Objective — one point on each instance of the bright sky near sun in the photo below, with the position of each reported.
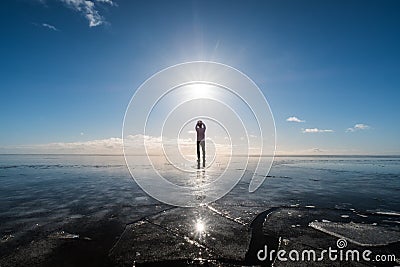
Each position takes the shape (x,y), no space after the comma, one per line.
(329,69)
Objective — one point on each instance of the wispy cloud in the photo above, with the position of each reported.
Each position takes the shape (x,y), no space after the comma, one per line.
(316,130)
(51,27)
(357,127)
(110,2)
(89,10)
(294,119)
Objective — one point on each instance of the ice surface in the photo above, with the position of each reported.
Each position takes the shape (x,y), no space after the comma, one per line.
(95,197)
(359,233)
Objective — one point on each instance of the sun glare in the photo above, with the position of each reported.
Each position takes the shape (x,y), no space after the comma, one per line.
(200,227)
(199,90)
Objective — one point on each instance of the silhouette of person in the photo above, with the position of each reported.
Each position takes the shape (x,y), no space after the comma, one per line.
(201,141)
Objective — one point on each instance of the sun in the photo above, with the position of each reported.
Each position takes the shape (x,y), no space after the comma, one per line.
(201,90)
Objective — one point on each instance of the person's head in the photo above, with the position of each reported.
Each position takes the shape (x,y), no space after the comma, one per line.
(199,122)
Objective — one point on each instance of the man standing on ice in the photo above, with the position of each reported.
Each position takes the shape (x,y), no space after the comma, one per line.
(201,141)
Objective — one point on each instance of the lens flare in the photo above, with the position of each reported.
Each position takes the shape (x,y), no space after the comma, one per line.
(160,142)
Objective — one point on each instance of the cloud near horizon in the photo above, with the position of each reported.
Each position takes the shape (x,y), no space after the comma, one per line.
(316,130)
(113,145)
(294,119)
(357,127)
(101,146)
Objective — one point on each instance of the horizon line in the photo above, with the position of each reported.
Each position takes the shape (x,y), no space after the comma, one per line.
(253,155)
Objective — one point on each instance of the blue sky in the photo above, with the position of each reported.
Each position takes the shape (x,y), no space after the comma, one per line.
(69,68)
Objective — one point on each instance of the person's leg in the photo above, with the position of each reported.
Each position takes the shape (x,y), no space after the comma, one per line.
(198,151)
(203,148)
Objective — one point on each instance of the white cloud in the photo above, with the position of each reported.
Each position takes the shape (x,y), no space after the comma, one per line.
(358,126)
(88,10)
(294,119)
(110,2)
(51,27)
(361,126)
(316,130)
